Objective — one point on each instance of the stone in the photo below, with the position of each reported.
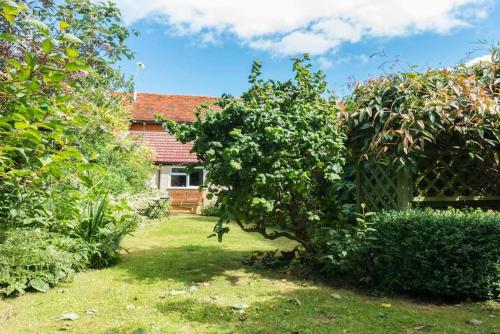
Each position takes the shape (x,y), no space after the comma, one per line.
(474,322)
(177,292)
(91,311)
(69,316)
(239,306)
(336,296)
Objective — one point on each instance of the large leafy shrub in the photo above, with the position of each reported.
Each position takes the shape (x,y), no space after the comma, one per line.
(451,254)
(58,147)
(343,251)
(398,117)
(274,156)
(61,145)
(33,259)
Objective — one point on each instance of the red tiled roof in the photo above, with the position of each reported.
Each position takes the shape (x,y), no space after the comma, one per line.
(179,108)
(166,147)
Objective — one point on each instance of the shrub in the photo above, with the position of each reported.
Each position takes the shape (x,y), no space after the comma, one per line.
(36,260)
(274,156)
(103,228)
(450,254)
(342,252)
(211,210)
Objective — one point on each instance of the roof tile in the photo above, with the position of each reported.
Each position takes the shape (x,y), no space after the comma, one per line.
(166,147)
(179,108)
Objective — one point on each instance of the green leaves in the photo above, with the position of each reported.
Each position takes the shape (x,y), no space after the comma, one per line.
(47,45)
(8,37)
(76,66)
(39,284)
(441,253)
(273,155)
(38,25)
(10,9)
(52,118)
(72,53)
(397,117)
(235,165)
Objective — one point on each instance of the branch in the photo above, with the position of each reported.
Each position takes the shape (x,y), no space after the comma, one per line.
(272,236)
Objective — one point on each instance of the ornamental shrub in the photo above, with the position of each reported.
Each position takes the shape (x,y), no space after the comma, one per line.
(397,117)
(103,227)
(273,157)
(449,254)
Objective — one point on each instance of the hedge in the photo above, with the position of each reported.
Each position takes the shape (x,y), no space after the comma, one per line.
(448,254)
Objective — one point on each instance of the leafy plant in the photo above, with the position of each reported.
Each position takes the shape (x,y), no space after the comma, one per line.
(343,252)
(57,146)
(449,254)
(36,260)
(273,156)
(398,117)
(211,210)
(103,229)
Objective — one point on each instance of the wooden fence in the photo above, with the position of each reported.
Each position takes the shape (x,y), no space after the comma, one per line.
(439,180)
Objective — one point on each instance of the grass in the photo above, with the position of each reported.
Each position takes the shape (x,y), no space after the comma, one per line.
(177,254)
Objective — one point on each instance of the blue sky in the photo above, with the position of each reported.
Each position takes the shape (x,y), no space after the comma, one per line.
(191,47)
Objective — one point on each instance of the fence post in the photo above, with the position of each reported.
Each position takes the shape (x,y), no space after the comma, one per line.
(404,188)
(358,187)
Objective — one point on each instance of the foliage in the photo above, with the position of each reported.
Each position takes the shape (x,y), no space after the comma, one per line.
(211,210)
(36,260)
(59,147)
(273,156)
(343,252)
(141,203)
(450,254)
(399,116)
(103,228)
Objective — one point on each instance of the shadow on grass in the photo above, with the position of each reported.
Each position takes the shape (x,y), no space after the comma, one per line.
(188,264)
(313,310)
(278,315)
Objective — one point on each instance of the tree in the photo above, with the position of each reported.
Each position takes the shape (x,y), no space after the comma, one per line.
(274,156)
(57,145)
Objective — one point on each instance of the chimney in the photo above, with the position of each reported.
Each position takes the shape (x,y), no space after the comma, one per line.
(140,66)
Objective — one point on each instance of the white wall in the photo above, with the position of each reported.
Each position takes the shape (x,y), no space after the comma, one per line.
(164,178)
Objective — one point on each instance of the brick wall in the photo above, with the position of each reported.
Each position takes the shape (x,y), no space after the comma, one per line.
(145,127)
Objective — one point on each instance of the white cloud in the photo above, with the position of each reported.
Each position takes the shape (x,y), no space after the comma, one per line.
(478,60)
(364,59)
(315,26)
(297,42)
(324,63)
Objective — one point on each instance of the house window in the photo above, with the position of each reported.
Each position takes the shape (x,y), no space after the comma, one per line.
(179,178)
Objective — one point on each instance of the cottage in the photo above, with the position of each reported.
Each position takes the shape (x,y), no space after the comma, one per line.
(170,156)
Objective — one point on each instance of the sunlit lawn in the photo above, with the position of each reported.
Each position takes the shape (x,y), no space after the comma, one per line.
(177,255)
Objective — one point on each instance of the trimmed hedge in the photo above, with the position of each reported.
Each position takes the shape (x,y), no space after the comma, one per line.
(450,254)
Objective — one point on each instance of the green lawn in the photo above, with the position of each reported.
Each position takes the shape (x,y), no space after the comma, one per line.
(177,255)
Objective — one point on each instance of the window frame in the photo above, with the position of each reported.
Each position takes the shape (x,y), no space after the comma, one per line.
(172,173)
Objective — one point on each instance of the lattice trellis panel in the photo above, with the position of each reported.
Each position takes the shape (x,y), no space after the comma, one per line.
(377,186)
(448,177)
(442,179)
